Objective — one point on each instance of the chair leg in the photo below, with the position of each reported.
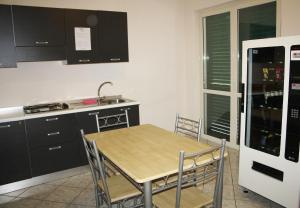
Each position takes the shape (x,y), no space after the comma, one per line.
(97,198)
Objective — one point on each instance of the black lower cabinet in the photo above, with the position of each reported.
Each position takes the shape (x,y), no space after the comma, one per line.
(53,158)
(45,145)
(14,155)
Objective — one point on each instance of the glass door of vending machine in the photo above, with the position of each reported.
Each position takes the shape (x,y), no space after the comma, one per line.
(265,78)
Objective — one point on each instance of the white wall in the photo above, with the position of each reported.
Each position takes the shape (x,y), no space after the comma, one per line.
(156,53)
(290,17)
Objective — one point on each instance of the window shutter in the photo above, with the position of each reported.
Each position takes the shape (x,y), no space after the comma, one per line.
(217,35)
(218,116)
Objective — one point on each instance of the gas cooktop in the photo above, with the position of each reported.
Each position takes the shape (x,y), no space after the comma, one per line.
(44,108)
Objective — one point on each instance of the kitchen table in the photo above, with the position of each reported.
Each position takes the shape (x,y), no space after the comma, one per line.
(145,153)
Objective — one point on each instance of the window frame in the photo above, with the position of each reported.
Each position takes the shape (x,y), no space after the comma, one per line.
(233,9)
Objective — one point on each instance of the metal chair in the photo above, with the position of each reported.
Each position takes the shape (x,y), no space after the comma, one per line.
(105,122)
(120,119)
(188,127)
(113,190)
(186,194)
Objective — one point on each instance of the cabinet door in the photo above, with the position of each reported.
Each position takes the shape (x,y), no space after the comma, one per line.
(7,51)
(39,33)
(38,26)
(82,33)
(51,158)
(87,120)
(113,37)
(14,157)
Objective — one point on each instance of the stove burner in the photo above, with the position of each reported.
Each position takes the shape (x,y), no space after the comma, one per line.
(45,107)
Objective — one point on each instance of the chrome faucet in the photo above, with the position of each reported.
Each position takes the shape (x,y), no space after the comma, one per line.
(99,89)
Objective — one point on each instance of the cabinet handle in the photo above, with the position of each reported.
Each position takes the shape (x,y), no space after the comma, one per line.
(53,133)
(93,114)
(84,60)
(41,42)
(115,59)
(123,109)
(51,119)
(54,148)
(5,126)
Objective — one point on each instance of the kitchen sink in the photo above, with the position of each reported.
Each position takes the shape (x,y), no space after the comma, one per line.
(92,102)
(109,101)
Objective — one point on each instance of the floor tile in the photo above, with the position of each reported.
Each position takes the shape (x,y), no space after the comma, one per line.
(38,192)
(79,181)
(86,197)
(23,203)
(49,204)
(228,203)
(58,182)
(82,206)
(235,176)
(248,196)
(251,204)
(64,194)
(227,179)
(4,199)
(228,192)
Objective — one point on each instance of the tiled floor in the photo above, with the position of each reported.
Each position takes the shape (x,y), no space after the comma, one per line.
(77,192)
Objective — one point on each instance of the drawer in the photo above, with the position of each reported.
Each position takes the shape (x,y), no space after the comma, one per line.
(52,137)
(48,159)
(52,130)
(40,125)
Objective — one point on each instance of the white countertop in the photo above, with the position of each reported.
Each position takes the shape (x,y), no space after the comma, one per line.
(17,113)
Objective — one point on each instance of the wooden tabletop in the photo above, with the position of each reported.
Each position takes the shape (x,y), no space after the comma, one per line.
(144,152)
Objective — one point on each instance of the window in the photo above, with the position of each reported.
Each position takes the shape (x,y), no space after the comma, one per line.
(217,71)
(218,116)
(217,33)
(224,29)
(255,23)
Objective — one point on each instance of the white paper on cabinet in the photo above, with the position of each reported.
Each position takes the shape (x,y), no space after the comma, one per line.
(82,38)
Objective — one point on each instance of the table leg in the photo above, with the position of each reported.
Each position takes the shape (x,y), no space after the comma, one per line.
(148,194)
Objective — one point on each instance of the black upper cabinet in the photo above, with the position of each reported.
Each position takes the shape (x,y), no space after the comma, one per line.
(7,49)
(14,155)
(39,33)
(38,26)
(82,36)
(113,37)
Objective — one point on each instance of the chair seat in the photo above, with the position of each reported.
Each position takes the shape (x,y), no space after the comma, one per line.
(120,188)
(191,197)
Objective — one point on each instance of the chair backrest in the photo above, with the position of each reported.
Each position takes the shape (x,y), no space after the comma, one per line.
(97,167)
(188,127)
(211,167)
(120,119)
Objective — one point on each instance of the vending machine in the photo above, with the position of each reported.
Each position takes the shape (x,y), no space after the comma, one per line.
(270,119)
